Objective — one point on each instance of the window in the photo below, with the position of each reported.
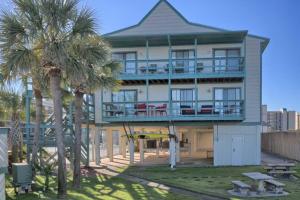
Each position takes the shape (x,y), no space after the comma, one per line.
(125,101)
(124,96)
(183,64)
(182,99)
(128,59)
(227,100)
(227,59)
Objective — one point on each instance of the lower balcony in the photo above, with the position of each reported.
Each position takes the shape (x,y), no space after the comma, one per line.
(202,110)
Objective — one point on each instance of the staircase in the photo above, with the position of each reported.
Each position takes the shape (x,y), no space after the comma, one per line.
(48,137)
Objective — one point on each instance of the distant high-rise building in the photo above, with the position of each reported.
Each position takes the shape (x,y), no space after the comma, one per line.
(282,120)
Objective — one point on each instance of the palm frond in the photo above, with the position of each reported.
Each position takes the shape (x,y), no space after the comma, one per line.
(84,23)
(12,31)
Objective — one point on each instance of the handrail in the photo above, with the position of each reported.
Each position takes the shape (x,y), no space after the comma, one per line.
(176,108)
(183,66)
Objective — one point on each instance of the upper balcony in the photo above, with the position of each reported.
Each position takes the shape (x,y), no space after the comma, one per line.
(213,55)
(220,67)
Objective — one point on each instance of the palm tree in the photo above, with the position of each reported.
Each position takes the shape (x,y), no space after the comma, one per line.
(91,55)
(49,28)
(11,101)
(24,63)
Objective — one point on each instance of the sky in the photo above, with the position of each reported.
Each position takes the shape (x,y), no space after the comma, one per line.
(278,20)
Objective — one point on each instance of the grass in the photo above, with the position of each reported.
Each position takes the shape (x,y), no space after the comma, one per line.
(96,188)
(209,180)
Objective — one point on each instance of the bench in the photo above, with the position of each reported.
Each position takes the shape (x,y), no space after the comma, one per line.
(274,168)
(282,172)
(274,186)
(241,187)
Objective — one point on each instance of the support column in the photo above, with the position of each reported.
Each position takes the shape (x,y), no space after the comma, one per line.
(93,144)
(157,148)
(131,150)
(172,147)
(141,147)
(109,145)
(97,146)
(120,142)
(178,136)
(124,148)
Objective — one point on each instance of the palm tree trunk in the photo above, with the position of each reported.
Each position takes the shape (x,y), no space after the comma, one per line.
(55,78)
(14,139)
(78,122)
(38,119)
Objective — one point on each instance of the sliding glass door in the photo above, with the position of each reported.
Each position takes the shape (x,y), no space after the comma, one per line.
(184,62)
(182,99)
(226,60)
(227,100)
(125,101)
(128,59)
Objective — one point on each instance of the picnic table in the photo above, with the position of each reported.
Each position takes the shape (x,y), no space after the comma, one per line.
(260,178)
(280,168)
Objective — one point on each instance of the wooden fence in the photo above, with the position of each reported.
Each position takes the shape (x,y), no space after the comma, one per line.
(286,144)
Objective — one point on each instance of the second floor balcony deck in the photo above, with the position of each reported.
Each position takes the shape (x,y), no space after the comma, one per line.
(220,67)
(202,110)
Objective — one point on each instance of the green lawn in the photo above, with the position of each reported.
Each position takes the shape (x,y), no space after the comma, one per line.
(98,187)
(209,180)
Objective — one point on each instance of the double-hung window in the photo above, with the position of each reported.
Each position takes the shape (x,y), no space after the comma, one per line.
(227,60)
(227,100)
(128,60)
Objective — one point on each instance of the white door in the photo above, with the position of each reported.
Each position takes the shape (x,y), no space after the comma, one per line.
(237,149)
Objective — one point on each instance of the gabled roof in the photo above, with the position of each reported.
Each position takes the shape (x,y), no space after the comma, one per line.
(163,18)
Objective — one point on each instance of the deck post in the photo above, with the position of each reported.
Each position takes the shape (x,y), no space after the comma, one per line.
(97,145)
(157,148)
(131,150)
(172,147)
(141,147)
(109,145)
(123,145)
(177,146)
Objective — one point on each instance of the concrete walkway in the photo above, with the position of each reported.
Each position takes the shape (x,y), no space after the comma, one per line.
(113,171)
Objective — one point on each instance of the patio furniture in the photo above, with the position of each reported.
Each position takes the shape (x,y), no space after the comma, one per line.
(178,69)
(200,67)
(143,70)
(274,186)
(187,110)
(260,178)
(241,187)
(206,109)
(151,110)
(140,108)
(162,109)
(283,169)
(152,69)
(113,110)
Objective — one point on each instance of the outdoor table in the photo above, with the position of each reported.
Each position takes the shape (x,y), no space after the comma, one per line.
(287,166)
(151,109)
(257,176)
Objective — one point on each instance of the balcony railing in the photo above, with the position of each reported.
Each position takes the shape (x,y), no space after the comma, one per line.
(160,110)
(183,66)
